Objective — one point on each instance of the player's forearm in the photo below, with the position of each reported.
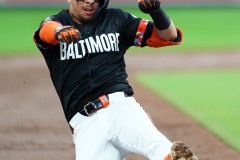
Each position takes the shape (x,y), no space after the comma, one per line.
(169,33)
(53,32)
(47,32)
(164,26)
(162,22)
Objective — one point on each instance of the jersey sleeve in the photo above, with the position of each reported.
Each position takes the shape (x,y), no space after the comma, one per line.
(36,37)
(141,32)
(155,41)
(146,35)
(129,25)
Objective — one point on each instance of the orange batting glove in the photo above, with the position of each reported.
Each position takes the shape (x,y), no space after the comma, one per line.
(67,34)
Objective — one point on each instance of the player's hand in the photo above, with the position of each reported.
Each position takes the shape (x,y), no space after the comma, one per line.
(149,6)
(67,34)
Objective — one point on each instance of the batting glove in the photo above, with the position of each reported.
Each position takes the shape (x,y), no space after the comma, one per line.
(149,6)
(67,34)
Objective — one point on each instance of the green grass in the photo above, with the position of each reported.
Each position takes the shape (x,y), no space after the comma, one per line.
(204,28)
(17,28)
(210,97)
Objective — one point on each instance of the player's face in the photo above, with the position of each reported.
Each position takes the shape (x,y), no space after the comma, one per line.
(84,10)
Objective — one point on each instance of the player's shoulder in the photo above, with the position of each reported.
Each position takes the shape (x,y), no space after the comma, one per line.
(61,17)
(55,17)
(115,11)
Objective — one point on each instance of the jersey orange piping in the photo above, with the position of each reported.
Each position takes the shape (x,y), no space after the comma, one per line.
(140,32)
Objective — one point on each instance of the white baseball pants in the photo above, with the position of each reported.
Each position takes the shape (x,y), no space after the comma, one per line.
(114,132)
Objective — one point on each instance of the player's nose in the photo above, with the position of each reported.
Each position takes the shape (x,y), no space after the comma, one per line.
(89,1)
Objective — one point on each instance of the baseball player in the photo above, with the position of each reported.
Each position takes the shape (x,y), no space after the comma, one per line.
(84,49)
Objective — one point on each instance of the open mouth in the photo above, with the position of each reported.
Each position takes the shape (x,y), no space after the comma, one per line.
(88,10)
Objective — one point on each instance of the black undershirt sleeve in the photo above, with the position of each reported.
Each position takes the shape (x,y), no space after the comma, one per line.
(147,34)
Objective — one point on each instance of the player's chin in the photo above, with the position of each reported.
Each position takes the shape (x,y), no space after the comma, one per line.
(87,19)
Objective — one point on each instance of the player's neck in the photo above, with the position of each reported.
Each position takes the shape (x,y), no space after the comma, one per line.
(75,19)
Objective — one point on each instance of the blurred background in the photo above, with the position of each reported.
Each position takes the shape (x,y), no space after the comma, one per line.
(200,77)
(207,24)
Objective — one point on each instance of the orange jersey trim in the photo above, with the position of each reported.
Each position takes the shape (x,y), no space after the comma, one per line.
(47,32)
(156,41)
(140,32)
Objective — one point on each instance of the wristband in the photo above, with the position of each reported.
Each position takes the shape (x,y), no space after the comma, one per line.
(161,19)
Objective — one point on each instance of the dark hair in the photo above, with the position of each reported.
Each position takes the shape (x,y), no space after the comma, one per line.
(101,2)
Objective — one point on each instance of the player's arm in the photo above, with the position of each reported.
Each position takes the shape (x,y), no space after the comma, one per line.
(53,32)
(163,25)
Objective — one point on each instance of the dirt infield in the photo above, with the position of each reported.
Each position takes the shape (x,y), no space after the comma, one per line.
(32,125)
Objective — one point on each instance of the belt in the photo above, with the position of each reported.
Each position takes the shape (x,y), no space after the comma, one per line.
(101,102)
(90,108)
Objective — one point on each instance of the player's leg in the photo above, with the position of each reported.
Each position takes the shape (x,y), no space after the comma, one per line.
(91,138)
(135,132)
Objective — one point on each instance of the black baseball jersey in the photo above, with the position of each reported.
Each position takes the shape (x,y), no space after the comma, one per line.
(94,65)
